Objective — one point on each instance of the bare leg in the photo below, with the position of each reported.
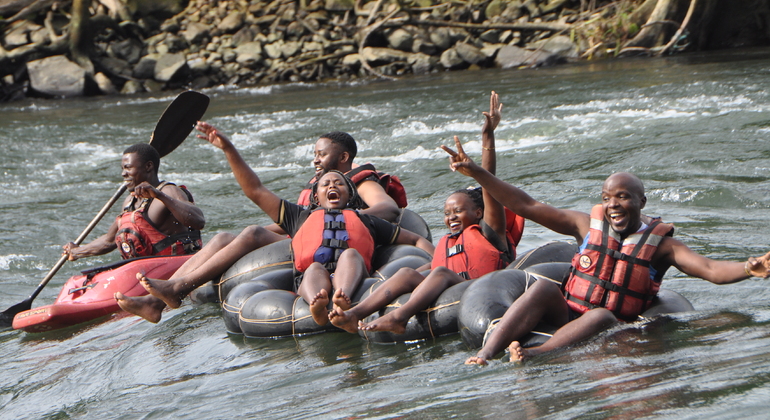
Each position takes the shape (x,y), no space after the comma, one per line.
(219,241)
(437,281)
(315,288)
(542,301)
(174,290)
(147,307)
(404,281)
(350,271)
(588,325)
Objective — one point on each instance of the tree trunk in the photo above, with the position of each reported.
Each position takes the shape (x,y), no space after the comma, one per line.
(657,26)
(80,38)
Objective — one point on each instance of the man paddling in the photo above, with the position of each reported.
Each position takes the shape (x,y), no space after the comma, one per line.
(616,273)
(159,218)
(333,151)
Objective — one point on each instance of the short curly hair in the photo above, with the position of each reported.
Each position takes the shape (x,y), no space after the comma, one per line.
(344,140)
(354,201)
(145,152)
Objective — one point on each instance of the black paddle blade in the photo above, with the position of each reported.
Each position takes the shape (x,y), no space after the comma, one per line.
(178,120)
(6,317)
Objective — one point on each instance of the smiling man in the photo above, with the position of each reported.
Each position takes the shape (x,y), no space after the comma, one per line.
(158,218)
(615,274)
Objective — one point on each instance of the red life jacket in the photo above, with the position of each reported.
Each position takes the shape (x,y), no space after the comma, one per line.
(390,183)
(468,253)
(514,227)
(615,275)
(138,237)
(325,234)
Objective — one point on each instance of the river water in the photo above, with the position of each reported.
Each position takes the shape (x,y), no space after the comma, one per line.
(693,128)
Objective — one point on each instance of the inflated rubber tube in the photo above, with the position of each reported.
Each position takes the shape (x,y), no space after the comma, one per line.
(438,320)
(413,222)
(280,313)
(484,304)
(269,314)
(487,299)
(556,251)
(270,257)
(231,307)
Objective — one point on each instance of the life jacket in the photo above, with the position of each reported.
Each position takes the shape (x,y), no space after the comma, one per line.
(514,227)
(390,183)
(325,234)
(138,237)
(612,274)
(468,253)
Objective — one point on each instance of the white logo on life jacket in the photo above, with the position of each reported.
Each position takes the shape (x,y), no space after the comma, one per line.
(585,261)
(126,247)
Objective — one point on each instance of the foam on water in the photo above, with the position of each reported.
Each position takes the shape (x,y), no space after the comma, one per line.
(7,260)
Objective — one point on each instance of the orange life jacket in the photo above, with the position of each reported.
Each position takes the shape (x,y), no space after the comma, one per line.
(390,183)
(468,253)
(612,274)
(325,234)
(138,237)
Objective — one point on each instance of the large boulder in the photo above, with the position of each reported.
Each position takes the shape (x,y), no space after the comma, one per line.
(170,66)
(56,76)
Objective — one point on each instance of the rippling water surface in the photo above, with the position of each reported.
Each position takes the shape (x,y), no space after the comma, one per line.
(693,128)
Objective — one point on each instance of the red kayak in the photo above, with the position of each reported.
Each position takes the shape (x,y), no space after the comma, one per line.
(89,295)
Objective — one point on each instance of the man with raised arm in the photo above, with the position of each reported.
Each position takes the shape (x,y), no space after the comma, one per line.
(158,218)
(615,274)
(333,151)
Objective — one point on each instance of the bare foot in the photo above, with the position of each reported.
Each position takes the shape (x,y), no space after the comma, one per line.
(318,307)
(475,360)
(341,299)
(519,353)
(385,323)
(161,289)
(147,307)
(343,319)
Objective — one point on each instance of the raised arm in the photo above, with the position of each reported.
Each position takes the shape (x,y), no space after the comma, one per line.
(248,180)
(672,252)
(566,222)
(494,213)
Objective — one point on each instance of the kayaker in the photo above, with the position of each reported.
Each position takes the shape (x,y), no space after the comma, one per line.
(335,150)
(332,244)
(476,245)
(616,273)
(158,218)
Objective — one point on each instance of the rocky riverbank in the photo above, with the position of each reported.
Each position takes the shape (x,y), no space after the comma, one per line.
(173,44)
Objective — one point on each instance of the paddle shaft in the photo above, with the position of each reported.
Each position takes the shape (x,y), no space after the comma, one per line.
(79,240)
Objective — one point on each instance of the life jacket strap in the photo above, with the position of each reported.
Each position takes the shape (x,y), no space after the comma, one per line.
(454,250)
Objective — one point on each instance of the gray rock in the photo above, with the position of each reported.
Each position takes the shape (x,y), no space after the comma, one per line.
(105,84)
(129,50)
(274,50)
(231,23)
(131,87)
(196,33)
(115,66)
(145,68)
(451,59)
(56,76)
(249,53)
(175,43)
(40,36)
(19,34)
(442,38)
(198,66)
(424,46)
(560,45)
(510,56)
(170,66)
(244,35)
(492,36)
(400,40)
(290,48)
(469,53)
(422,63)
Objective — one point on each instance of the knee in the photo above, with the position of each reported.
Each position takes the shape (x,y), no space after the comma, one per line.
(602,316)
(221,239)
(253,231)
(350,254)
(441,271)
